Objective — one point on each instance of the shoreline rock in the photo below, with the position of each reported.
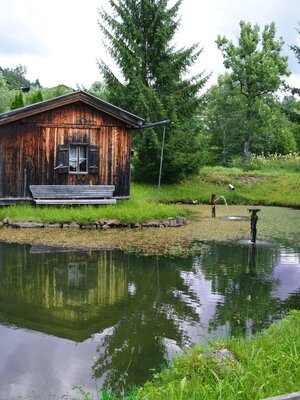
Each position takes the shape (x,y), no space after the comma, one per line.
(103,224)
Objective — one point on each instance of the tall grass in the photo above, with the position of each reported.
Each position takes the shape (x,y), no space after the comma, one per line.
(255,187)
(132,211)
(268,365)
(105,394)
(288,162)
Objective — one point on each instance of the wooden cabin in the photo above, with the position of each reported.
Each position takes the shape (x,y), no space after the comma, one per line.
(73,149)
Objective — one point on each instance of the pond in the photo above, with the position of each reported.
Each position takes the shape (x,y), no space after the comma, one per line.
(97,318)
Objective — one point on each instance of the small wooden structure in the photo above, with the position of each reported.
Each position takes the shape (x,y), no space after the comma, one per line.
(48,148)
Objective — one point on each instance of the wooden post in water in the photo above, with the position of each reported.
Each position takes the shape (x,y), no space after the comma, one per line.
(253,222)
(213,205)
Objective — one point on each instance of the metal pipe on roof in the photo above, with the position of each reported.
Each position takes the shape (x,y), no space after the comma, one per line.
(165,122)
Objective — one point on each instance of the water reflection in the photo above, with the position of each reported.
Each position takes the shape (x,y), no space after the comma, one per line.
(107,318)
(153,313)
(244,278)
(61,294)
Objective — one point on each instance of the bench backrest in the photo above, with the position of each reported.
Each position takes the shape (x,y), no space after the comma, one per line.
(71,191)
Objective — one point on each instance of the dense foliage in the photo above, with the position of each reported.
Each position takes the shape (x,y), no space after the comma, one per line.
(226,124)
(296,50)
(17,91)
(238,118)
(15,77)
(17,101)
(153,83)
(257,69)
(6,95)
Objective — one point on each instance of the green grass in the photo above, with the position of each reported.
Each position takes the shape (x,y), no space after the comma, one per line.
(132,211)
(278,188)
(267,364)
(105,394)
(256,187)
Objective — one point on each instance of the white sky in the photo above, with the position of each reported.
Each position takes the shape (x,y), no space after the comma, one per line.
(59,40)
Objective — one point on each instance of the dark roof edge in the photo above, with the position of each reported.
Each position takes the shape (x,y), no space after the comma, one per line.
(70,98)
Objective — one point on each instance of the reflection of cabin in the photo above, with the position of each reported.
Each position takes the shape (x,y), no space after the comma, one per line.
(50,149)
(70,295)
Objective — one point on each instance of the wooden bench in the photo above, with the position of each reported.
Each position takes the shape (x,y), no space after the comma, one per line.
(73,194)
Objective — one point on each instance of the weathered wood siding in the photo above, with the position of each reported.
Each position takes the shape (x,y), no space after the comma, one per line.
(29,150)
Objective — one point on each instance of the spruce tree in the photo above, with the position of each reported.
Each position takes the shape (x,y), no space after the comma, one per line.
(153,83)
(17,101)
(34,96)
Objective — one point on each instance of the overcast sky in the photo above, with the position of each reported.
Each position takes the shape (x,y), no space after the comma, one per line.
(59,40)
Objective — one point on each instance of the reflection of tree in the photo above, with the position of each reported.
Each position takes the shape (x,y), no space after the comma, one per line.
(155,312)
(243,276)
(77,294)
(135,302)
(292,302)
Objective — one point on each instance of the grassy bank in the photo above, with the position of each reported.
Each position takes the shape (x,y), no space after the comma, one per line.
(265,365)
(132,211)
(272,188)
(262,188)
(280,188)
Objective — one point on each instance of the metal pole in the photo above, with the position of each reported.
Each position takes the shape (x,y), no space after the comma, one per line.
(161,161)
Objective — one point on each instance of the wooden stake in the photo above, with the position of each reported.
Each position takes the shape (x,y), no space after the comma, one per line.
(213,205)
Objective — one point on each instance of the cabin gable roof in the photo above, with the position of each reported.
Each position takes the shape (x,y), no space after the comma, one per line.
(133,121)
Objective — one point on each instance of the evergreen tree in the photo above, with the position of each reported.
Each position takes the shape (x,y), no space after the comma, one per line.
(34,96)
(296,49)
(17,101)
(153,83)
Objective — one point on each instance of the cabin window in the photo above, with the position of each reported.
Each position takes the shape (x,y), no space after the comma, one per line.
(78,159)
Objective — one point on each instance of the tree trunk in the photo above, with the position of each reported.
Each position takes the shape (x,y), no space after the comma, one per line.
(247,147)
(248,136)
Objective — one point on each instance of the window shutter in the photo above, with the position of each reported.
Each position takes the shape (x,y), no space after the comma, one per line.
(63,159)
(93,159)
